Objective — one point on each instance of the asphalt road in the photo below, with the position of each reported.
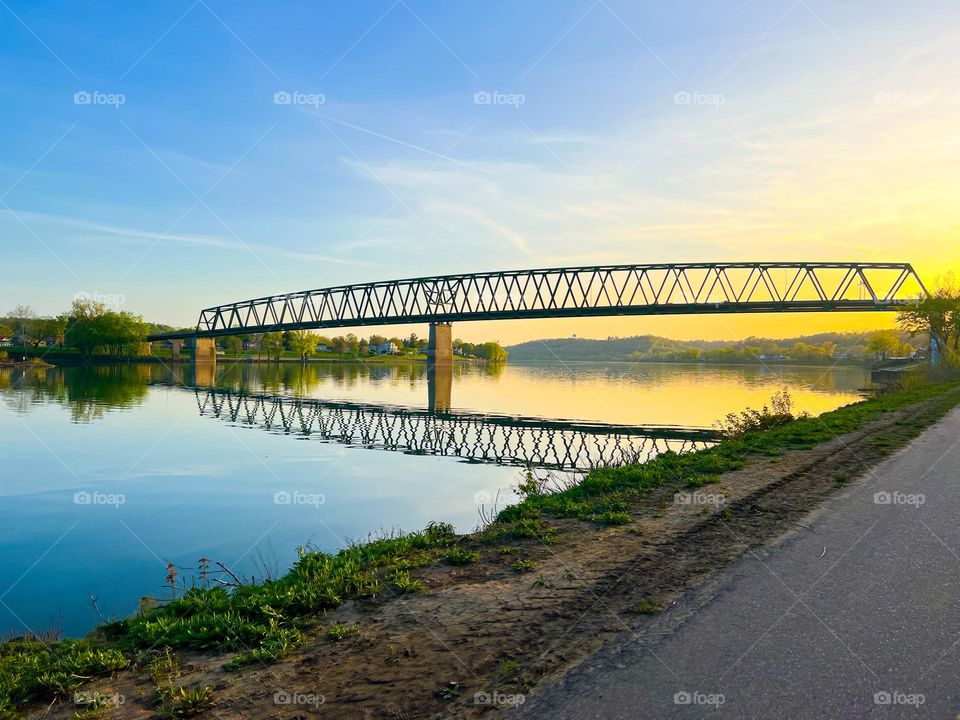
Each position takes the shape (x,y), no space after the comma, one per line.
(856,617)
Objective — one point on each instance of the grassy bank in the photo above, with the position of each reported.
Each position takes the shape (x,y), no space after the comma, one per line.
(261,623)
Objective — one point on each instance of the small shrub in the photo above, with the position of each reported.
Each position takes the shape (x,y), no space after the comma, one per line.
(403,582)
(459,556)
(645,607)
(524,565)
(337,632)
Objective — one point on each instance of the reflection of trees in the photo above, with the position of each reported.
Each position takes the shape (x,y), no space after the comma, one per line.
(302,378)
(88,391)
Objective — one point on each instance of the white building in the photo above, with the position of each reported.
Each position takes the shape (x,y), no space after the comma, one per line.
(386,348)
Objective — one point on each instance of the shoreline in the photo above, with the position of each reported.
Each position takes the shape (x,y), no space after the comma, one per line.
(548,558)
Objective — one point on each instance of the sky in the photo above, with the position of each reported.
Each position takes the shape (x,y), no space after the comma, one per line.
(180,155)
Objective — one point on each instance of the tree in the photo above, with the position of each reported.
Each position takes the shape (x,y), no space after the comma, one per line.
(93,328)
(377,340)
(23,321)
(233,343)
(937,315)
(353,344)
(883,343)
(491,352)
(339,345)
(272,344)
(303,342)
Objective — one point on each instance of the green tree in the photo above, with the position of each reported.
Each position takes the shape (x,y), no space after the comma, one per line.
(491,352)
(353,344)
(272,344)
(303,342)
(937,316)
(93,328)
(883,343)
(233,343)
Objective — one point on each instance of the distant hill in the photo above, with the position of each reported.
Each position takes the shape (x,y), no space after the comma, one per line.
(850,345)
(586,349)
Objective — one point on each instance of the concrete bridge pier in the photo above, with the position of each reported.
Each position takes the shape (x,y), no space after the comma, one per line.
(175,347)
(440,367)
(204,363)
(440,347)
(204,350)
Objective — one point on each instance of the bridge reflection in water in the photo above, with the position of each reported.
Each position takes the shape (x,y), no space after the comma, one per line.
(473,437)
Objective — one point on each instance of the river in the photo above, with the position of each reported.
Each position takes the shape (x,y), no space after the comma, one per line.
(107,473)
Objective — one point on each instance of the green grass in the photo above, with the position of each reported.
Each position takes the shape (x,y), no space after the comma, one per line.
(524,565)
(645,607)
(264,622)
(32,670)
(337,632)
(459,556)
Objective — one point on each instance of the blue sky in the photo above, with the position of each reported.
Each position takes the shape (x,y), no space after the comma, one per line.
(616,132)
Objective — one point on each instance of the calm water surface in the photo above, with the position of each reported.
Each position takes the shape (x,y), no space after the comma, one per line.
(108,473)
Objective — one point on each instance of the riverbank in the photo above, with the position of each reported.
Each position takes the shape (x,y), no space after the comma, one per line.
(389,626)
(72,358)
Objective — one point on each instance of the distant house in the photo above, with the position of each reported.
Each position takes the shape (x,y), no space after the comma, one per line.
(323,347)
(6,342)
(251,345)
(771,357)
(385,348)
(838,355)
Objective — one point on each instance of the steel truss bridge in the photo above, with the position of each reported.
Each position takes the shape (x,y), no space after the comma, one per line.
(660,289)
(496,439)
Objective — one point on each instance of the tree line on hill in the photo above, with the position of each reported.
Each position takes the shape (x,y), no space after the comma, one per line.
(823,347)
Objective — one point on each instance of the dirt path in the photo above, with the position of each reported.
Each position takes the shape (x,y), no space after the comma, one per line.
(486,628)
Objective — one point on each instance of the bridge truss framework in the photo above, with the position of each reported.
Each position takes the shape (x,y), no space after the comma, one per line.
(657,289)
